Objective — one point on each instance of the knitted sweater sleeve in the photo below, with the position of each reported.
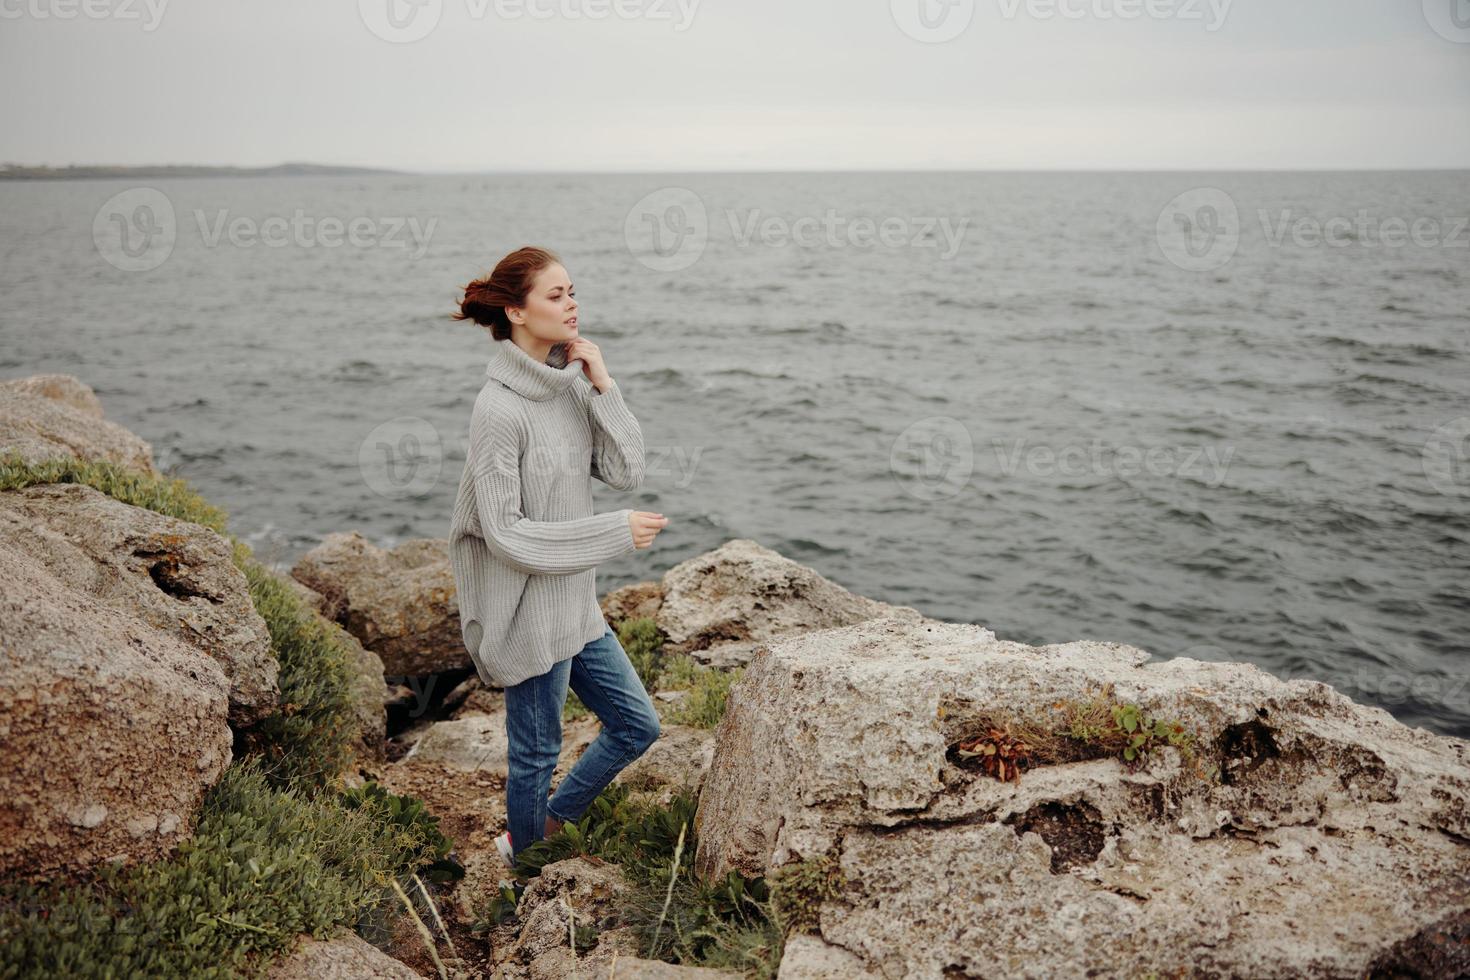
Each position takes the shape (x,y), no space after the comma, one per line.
(617,440)
(533,547)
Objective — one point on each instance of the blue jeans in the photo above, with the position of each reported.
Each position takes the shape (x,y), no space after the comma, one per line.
(604,678)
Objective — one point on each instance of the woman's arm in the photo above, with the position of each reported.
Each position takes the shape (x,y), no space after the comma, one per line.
(617,439)
(534,547)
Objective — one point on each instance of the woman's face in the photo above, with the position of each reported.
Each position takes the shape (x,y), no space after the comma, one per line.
(551,306)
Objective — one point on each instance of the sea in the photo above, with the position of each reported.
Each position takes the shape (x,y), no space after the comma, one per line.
(1213,415)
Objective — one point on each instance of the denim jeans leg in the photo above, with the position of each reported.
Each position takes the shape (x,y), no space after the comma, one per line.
(533,710)
(604,678)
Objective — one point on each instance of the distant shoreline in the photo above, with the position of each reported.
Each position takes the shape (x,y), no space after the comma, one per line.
(91,172)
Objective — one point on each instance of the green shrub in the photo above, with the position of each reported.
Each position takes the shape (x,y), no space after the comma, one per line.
(708,687)
(263,866)
(165,495)
(726,924)
(644,643)
(421,828)
(709,691)
(308,742)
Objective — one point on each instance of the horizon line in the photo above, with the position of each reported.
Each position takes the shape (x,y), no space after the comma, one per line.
(366,170)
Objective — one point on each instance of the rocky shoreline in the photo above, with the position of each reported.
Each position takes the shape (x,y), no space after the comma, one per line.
(927,800)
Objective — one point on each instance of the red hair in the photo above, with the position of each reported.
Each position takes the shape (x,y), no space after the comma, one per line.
(509,284)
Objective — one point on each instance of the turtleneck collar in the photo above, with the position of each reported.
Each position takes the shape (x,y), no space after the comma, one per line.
(527,376)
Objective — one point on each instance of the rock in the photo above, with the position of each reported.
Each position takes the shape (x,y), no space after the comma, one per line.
(65,389)
(720,606)
(346,957)
(806,957)
(607,961)
(48,415)
(313,599)
(176,576)
(400,604)
(583,893)
(594,890)
(474,743)
(637,601)
(477,743)
(1328,837)
(112,729)
(464,693)
(478,699)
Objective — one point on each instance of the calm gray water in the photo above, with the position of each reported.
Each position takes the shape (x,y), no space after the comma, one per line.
(1060,423)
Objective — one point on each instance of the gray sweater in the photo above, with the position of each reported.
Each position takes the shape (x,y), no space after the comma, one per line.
(523,542)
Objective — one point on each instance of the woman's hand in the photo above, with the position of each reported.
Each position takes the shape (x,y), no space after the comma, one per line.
(646,525)
(592,365)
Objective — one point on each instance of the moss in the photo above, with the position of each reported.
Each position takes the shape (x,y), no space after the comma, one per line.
(1093,727)
(263,866)
(708,692)
(799,889)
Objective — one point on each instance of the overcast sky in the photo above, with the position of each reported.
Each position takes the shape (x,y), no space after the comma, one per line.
(531,85)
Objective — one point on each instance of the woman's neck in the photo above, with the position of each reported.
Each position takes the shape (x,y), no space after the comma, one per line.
(535,347)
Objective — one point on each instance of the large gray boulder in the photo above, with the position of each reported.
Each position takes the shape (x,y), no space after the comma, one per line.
(1307,836)
(112,729)
(399,603)
(47,415)
(175,576)
(719,606)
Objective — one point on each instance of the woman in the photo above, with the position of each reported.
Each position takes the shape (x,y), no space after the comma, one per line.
(524,543)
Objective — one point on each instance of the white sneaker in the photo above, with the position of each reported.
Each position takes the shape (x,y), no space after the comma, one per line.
(502,844)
